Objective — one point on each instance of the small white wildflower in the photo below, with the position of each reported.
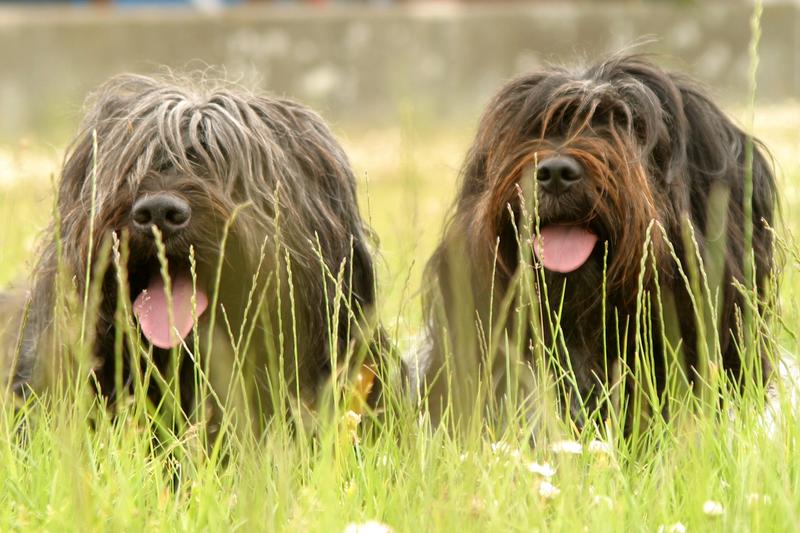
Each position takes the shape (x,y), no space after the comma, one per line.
(367,527)
(548,491)
(677,527)
(755,498)
(500,447)
(544,470)
(463,457)
(713,508)
(599,499)
(476,506)
(567,446)
(599,446)
(352,418)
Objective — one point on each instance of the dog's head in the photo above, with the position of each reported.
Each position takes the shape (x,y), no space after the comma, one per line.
(583,172)
(598,154)
(188,165)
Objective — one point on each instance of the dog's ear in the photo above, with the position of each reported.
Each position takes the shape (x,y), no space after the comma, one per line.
(704,147)
(690,142)
(104,108)
(714,145)
(363,272)
(716,152)
(77,168)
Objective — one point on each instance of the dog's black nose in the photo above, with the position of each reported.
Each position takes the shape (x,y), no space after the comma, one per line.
(168,212)
(557,174)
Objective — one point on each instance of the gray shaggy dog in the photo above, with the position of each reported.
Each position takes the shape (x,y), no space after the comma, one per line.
(268,259)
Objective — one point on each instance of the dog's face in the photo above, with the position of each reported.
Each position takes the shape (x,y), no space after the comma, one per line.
(590,161)
(191,168)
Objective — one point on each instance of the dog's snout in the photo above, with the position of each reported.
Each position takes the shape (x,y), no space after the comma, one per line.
(557,174)
(168,212)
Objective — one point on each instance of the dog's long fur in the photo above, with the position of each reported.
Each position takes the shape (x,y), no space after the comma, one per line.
(222,149)
(655,149)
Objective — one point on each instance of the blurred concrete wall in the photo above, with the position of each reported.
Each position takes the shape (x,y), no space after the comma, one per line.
(372,65)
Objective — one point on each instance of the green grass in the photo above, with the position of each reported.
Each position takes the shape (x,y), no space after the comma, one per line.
(66,476)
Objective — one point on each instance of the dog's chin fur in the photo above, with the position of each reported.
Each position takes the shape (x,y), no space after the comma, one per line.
(269,170)
(653,147)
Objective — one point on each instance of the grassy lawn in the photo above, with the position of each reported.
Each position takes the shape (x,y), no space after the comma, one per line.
(718,470)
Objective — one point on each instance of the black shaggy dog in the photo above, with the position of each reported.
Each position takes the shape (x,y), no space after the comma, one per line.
(578,173)
(245,207)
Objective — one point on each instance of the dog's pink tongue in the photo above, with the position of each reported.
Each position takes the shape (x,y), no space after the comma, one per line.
(564,248)
(150,307)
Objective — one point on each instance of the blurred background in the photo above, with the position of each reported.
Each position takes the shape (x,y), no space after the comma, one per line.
(402,82)
(371,62)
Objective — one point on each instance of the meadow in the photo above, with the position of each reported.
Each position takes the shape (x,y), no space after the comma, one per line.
(719,470)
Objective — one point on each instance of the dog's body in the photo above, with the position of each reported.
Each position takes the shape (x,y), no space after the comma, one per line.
(609,160)
(204,165)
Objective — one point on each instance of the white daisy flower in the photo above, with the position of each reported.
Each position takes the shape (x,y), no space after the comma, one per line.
(502,448)
(713,508)
(677,527)
(544,470)
(567,446)
(352,419)
(599,499)
(599,446)
(548,491)
(755,498)
(367,527)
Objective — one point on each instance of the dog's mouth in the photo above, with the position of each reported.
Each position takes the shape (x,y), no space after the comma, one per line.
(564,248)
(166,321)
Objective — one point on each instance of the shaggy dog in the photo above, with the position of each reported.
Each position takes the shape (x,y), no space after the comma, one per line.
(244,206)
(614,185)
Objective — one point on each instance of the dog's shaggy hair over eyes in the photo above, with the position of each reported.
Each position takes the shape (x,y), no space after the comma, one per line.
(641,146)
(213,149)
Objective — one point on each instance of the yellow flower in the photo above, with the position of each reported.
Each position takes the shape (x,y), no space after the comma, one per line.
(350,488)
